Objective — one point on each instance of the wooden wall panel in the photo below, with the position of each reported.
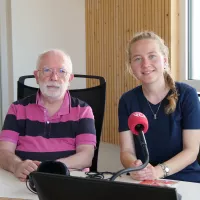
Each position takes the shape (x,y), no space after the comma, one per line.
(109,26)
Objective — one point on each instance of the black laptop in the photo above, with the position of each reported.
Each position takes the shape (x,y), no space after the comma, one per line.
(61,187)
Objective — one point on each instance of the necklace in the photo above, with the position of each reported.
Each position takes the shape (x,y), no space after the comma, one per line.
(154,114)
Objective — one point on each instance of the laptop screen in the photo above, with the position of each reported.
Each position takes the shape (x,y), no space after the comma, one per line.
(60,187)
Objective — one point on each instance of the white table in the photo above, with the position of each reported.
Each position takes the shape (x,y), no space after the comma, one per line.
(13,188)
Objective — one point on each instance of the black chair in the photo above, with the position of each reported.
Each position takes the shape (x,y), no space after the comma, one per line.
(94,96)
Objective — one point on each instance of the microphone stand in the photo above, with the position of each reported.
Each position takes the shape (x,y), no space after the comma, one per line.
(143,143)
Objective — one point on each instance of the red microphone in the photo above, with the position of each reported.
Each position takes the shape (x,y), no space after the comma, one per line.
(139,125)
(137,122)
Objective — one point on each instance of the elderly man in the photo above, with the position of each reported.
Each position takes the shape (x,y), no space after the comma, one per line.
(50,125)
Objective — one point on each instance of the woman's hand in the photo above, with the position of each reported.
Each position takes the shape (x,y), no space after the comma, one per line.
(148,173)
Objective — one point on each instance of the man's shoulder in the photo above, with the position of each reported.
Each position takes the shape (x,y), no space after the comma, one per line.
(27,100)
(82,108)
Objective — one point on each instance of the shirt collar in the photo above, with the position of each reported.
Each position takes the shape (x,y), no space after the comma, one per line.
(65,107)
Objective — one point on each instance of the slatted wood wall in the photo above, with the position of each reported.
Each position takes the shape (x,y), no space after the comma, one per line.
(109,26)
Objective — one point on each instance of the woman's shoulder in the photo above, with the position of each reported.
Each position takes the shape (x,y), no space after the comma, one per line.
(131,93)
(185,89)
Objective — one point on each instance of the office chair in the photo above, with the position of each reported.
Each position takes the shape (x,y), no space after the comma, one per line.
(94,96)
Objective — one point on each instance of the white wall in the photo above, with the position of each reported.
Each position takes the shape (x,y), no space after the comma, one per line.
(29,27)
(38,25)
(6,69)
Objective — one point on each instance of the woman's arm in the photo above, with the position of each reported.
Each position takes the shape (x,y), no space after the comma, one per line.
(190,107)
(128,156)
(191,144)
(127,149)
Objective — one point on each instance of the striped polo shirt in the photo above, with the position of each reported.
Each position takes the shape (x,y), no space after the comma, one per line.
(40,137)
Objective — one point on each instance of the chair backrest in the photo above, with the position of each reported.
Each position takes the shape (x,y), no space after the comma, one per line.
(94,96)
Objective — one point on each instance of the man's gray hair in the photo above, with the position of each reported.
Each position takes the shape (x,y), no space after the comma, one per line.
(65,56)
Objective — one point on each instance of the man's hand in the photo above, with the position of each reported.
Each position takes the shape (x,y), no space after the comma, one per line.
(148,173)
(24,168)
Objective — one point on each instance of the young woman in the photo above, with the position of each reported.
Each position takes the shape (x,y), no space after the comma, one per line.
(173,112)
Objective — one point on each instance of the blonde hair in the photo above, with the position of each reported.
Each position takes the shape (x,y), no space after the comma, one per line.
(173,97)
(65,56)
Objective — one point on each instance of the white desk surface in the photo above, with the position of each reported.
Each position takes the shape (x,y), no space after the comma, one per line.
(13,188)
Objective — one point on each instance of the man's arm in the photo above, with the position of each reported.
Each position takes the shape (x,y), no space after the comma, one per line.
(10,162)
(85,141)
(8,159)
(82,159)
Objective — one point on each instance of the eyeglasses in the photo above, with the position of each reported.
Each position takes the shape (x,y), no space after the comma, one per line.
(46,71)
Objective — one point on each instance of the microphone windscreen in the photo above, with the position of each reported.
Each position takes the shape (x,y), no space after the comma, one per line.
(53,167)
(137,118)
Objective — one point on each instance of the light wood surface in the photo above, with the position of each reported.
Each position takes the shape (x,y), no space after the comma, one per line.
(14,189)
(5,198)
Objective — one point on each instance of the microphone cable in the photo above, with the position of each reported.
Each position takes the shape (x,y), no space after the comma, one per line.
(99,175)
(28,186)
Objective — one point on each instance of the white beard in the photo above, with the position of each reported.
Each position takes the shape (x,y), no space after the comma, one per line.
(53,89)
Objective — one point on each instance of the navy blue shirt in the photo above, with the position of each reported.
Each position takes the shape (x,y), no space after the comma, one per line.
(164,136)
